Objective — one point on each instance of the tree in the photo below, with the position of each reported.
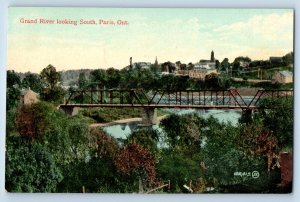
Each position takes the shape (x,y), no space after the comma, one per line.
(33,81)
(182,133)
(288,58)
(190,66)
(242,59)
(211,81)
(225,64)
(168,67)
(237,61)
(30,168)
(32,120)
(179,169)
(82,82)
(52,92)
(13,89)
(55,95)
(13,79)
(50,76)
(225,151)
(137,161)
(104,145)
(148,139)
(218,64)
(99,77)
(113,77)
(277,116)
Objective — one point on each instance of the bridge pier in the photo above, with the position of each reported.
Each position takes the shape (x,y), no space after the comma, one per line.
(149,117)
(72,111)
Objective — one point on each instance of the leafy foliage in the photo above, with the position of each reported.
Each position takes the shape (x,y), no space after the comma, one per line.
(104,145)
(50,76)
(82,81)
(30,168)
(52,93)
(32,120)
(147,138)
(277,116)
(135,159)
(183,132)
(13,92)
(179,169)
(33,81)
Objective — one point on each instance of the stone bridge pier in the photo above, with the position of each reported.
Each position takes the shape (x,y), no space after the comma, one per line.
(70,110)
(149,117)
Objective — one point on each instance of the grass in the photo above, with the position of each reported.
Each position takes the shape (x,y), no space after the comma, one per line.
(104,115)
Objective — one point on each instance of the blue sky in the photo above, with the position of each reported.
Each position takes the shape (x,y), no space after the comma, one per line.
(187,35)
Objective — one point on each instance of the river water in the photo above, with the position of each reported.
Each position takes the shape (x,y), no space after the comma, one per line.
(122,131)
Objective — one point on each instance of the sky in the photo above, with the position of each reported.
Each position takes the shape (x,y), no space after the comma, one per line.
(185,35)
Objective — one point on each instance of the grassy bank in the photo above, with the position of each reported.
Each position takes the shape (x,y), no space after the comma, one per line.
(104,115)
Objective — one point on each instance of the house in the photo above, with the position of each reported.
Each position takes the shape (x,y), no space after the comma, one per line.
(283,77)
(204,64)
(200,74)
(28,97)
(244,64)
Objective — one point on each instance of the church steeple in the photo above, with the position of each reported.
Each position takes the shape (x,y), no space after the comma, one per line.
(212,56)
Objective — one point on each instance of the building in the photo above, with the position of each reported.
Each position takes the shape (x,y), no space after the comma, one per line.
(206,64)
(29,97)
(200,74)
(244,64)
(283,77)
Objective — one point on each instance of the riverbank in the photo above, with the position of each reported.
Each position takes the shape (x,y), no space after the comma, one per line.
(123,121)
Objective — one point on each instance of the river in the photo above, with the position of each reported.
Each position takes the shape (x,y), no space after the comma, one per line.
(122,131)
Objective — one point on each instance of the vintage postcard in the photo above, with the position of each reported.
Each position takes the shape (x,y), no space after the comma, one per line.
(149,100)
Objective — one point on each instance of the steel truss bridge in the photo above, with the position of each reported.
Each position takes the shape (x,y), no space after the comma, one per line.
(196,99)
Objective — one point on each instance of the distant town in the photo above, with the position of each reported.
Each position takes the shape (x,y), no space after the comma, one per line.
(277,69)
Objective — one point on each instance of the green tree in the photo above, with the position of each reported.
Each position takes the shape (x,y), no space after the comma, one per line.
(113,77)
(55,95)
(99,77)
(277,116)
(50,76)
(33,81)
(82,81)
(147,138)
(52,93)
(95,171)
(212,81)
(13,89)
(179,169)
(237,61)
(13,79)
(182,133)
(288,58)
(30,168)
(226,151)
(225,64)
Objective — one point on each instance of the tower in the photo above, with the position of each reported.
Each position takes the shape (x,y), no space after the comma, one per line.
(156,62)
(212,56)
(130,62)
